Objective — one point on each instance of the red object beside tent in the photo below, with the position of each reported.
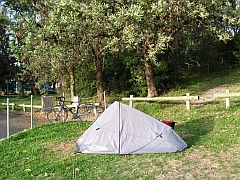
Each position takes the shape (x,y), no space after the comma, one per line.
(170,123)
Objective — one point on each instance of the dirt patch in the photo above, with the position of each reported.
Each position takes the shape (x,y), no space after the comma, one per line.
(65,149)
(209,164)
(208,96)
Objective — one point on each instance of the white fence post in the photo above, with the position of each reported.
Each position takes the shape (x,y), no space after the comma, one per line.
(131,102)
(31,111)
(227,95)
(8,124)
(188,102)
(227,100)
(105,104)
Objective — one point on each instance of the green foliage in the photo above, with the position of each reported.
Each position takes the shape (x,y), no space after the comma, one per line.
(53,39)
(208,55)
(5,71)
(86,81)
(123,74)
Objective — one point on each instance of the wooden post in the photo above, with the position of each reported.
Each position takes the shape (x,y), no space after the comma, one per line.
(188,102)
(227,100)
(187,98)
(131,102)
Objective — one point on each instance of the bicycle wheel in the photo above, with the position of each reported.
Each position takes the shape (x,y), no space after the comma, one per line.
(51,116)
(88,112)
(100,110)
(62,115)
(74,115)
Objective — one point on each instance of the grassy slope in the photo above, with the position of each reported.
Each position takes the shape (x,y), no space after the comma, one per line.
(211,131)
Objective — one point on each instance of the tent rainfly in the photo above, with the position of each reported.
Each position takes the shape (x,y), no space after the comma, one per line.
(122,129)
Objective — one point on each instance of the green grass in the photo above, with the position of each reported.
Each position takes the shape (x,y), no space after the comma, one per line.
(197,85)
(211,131)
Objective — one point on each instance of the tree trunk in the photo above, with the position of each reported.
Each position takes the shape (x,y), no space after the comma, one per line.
(152,92)
(63,81)
(35,90)
(99,81)
(19,84)
(72,82)
(175,41)
(20,88)
(98,62)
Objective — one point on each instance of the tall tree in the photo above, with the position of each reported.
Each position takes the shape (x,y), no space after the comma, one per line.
(3,52)
(77,33)
(8,62)
(55,37)
(84,30)
(20,15)
(153,26)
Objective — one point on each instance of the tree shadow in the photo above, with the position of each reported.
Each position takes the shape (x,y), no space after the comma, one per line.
(205,82)
(193,131)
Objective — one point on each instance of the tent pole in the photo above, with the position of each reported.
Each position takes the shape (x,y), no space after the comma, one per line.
(119,135)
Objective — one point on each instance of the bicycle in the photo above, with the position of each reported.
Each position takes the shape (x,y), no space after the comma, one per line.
(81,111)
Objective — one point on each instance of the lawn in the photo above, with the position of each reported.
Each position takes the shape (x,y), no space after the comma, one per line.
(211,132)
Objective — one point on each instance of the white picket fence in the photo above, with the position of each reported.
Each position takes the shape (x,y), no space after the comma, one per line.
(8,112)
(10,104)
(31,106)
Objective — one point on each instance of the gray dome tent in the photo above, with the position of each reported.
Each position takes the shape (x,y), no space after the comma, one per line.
(122,129)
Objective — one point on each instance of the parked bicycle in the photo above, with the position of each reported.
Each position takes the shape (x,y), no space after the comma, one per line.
(81,111)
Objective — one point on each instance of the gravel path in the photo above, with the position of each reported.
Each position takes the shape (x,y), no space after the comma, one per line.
(18,122)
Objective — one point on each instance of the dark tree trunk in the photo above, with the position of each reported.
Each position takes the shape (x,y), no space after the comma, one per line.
(35,90)
(98,62)
(99,81)
(152,92)
(19,82)
(175,41)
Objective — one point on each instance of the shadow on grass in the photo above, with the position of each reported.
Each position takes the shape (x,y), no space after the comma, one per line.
(204,82)
(193,131)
